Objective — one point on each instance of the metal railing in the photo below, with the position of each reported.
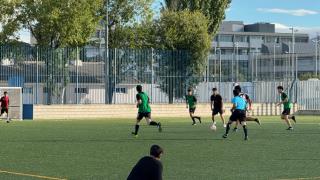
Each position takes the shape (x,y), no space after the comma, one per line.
(86,76)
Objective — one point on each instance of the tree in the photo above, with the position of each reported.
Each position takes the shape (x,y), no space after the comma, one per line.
(55,24)
(214,10)
(308,75)
(125,15)
(123,19)
(184,31)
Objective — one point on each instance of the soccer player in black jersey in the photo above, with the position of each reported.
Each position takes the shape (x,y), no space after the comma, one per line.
(217,106)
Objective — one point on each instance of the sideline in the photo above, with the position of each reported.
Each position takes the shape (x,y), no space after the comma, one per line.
(30,175)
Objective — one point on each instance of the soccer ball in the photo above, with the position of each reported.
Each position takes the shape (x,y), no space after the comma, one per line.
(213,127)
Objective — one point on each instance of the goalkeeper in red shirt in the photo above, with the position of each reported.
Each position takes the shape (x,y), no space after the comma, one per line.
(4,103)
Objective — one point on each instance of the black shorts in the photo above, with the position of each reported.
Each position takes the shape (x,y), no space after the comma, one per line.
(238,115)
(286,112)
(192,110)
(142,115)
(216,111)
(4,110)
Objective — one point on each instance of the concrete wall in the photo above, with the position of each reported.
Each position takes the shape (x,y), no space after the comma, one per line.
(130,111)
(308,112)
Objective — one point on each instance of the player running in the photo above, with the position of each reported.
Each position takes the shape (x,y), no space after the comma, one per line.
(217,106)
(287,105)
(246,97)
(144,111)
(191,102)
(238,114)
(4,101)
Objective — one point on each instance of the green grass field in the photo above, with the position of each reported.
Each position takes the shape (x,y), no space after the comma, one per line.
(104,149)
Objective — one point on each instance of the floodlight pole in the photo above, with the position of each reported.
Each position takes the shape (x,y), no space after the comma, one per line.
(237,61)
(316,54)
(274,61)
(293,30)
(220,63)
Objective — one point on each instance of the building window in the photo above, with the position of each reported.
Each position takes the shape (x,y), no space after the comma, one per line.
(121,90)
(226,38)
(256,38)
(286,40)
(301,39)
(241,39)
(81,90)
(271,39)
(215,39)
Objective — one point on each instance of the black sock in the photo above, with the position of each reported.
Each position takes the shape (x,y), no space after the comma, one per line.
(193,120)
(228,128)
(197,117)
(152,123)
(136,129)
(245,130)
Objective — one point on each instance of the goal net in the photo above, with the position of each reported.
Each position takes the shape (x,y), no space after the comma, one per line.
(15,102)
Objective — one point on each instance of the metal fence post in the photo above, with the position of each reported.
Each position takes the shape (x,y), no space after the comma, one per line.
(37,74)
(152,80)
(77,77)
(115,76)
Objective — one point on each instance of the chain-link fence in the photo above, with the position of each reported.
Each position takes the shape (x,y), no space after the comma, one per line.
(93,76)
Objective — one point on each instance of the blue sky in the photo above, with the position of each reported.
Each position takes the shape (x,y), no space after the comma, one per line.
(301,14)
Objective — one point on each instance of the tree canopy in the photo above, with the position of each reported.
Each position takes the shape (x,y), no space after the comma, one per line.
(214,10)
(55,24)
(185,31)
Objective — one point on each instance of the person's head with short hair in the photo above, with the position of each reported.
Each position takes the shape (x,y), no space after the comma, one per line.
(280,89)
(5,93)
(139,88)
(238,88)
(236,92)
(190,91)
(156,151)
(214,91)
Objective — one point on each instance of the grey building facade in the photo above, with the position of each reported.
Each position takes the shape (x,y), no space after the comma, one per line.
(258,52)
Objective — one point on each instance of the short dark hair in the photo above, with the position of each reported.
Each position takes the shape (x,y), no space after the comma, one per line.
(156,151)
(280,87)
(238,88)
(214,89)
(139,88)
(5,92)
(189,89)
(236,92)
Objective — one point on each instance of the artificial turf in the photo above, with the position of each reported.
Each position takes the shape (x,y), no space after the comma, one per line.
(105,149)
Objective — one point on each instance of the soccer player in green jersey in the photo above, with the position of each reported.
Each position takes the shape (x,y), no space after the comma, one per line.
(191,102)
(287,105)
(144,110)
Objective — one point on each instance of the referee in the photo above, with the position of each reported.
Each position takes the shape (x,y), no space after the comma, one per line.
(238,114)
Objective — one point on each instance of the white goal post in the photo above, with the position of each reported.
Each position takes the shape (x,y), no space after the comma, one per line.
(15,101)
